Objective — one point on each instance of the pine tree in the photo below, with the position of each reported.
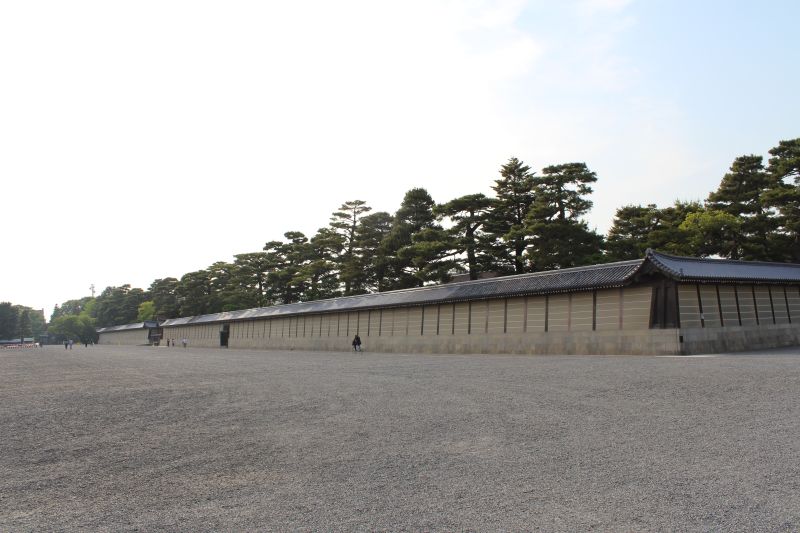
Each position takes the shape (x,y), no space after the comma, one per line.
(414,215)
(345,223)
(8,321)
(163,292)
(505,226)
(637,228)
(469,214)
(629,236)
(558,237)
(373,230)
(319,274)
(740,195)
(784,168)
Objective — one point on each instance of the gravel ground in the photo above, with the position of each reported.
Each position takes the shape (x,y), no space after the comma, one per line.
(125,438)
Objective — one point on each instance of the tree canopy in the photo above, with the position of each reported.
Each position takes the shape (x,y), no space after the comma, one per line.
(534,221)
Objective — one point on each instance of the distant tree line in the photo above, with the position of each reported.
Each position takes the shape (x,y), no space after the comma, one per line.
(533,222)
(20,322)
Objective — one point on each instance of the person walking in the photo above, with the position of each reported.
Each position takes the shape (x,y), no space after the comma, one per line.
(356,343)
(184,341)
(66,344)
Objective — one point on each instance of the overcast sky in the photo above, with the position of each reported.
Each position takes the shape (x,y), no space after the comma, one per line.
(140,140)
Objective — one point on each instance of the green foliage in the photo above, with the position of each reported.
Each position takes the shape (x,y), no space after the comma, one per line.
(77,327)
(469,214)
(164,295)
(8,321)
(118,305)
(561,192)
(19,321)
(416,249)
(714,232)
(24,324)
(372,255)
(784,196)
(557,236)
(286,285)
(71,307)
(430,256)
(319,274)
(147,311)
(505,227)
(740,195)
(637,228)
(629,236)
(563,244)
(535,222)
(344,224)
(195,293)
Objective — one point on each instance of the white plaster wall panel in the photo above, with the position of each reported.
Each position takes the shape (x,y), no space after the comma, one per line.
(446,314)
(727,298)
(536,314)
(793,295)
(558,313)
(374,323)
(347,325)
(708,296)
(636,307)
(478,318)
(363,323)
(400,322)
(414,321)
(779,305)
(763,306)
(430,320)
(497,316)
(581,311)
(747,306)
(124,338)
(333,324)
(608,307)
(387,323)
(461,318)
(689,306)
(516,315)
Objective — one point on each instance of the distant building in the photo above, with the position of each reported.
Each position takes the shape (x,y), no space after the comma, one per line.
(8,342)
(660,304)
(140,333)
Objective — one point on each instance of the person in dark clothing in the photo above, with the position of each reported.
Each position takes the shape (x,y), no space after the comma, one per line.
(356,343)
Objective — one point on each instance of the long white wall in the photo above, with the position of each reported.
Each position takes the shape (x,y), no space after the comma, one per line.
(131,337)
(727,306)
(603,321)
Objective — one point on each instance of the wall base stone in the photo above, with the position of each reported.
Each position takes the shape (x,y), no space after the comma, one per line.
(739,338)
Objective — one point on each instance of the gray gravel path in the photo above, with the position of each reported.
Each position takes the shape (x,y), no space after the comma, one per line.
(124,438)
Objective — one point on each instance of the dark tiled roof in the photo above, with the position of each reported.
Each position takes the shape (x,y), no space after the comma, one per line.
(722,270)
(565,280)
(126,327)
(555,281)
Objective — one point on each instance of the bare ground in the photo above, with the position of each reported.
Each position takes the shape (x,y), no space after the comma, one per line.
(125,438)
